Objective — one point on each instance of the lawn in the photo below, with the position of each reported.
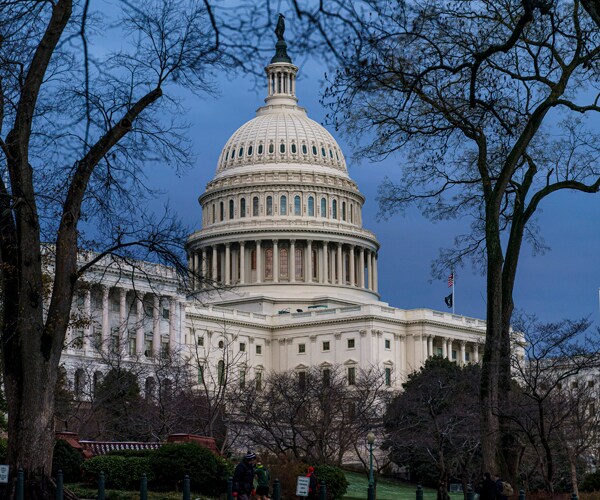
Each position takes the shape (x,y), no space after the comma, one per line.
(387,489)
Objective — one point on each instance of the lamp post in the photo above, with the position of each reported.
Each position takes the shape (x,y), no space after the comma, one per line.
(371,490)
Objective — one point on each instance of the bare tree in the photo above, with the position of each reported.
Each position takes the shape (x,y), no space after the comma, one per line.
(77,125)
(555,411)
(313,415)
(489,104)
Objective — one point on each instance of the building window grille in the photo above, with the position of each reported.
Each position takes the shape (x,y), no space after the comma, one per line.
(243,207)
(311,206)
(334,209)
(283,263)
(255,206)
(269,205)
(231,209)
(259,349)
(388,344)
(221,211)
(323,207)
(343,210)
(242,346)
(299,261)
(269,263)
(301,348)
(351,375)
(351,344)
(297,206)
(283,205)
(326,346)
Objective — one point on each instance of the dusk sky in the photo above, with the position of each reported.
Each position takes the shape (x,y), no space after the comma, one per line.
(563,283)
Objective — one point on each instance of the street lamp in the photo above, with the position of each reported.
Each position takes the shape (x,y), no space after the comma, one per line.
(371,490)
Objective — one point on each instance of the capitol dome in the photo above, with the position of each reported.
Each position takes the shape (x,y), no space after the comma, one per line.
(282,219)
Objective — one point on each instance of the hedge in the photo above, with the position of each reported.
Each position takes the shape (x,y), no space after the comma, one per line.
(172,462)
(68,460)
(120,472)
(337,484)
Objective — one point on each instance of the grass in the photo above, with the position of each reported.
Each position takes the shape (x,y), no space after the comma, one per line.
(387,489)
(85,492)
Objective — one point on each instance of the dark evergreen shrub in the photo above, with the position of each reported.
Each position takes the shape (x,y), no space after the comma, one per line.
(172,462)
(591,482)
(337,484)
(68,460)
(121,473)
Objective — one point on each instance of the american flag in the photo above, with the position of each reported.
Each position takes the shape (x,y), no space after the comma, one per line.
(451,280)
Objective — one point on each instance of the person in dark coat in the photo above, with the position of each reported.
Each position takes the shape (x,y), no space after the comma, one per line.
(500,489)
(487,489)
(313,485)
(243,477)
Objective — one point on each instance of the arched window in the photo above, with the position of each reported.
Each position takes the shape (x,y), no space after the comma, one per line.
(314,150)
(304,149)
(283,263)
(311,206)
(221,372)
(294,148)
(149,387)
(231,209)
(323,153)
(271,148)
(323,207)
(221,211)
(334,209)
(243,207)
(283,205)
(331,154)
(241,152)
(227,155)
(297,206)
(299,263)
(214,214)
(255,206)
(351,212)
(343,210)
(269,263)
(250,150)
(269,205)
(79,383)
(260,149)
(282,148)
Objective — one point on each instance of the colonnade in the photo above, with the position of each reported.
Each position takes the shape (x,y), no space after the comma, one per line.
(289,260)
(127,320)
(463,355)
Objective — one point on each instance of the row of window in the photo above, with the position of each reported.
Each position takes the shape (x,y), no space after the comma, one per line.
(242,345)
(249,151)
(345,212)
(350,344)
(326,372)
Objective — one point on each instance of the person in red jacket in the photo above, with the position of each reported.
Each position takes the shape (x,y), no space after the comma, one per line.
(313,485)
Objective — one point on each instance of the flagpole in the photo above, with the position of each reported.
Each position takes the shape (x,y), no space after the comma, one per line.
(454,296)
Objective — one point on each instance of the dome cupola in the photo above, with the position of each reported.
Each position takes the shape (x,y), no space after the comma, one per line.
(282,217)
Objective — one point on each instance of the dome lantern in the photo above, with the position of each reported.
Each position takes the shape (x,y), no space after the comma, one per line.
(281,73)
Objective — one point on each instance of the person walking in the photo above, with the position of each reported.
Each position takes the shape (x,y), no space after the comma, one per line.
(500,493)
(487,489)
(313,485)
(243,477)
(263,481)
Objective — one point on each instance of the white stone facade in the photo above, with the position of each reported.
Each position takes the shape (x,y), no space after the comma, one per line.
(282,239)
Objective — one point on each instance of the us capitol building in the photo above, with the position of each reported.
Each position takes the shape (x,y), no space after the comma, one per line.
(285,275)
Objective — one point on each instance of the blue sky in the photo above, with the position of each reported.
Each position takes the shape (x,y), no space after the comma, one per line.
(563,283)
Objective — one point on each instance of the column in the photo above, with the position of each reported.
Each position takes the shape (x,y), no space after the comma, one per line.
(156,326)
(444,348)
(258,262)
(242,262)
(292,257)
(227,263)
(173,306)
(351,260)
(191,270)
(309,269)
(449,349)
(325,273)
(340,279)
(87,306)
(197,279)
(275,261)
(215,255)
(361,267)
(463,352)
(375,278)
(369,270)
(204,268)
(139,334)
(476,353)
(105,319)
(430,346)
(122,320)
